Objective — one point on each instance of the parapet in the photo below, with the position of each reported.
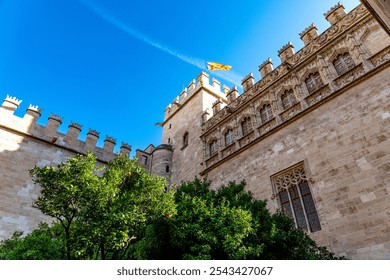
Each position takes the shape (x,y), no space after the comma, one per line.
(309,34)
(335,14)
(28,127)
(10,104)
(232,94)
(247,82)
(291,62)
(32,114)
(286,52)
(202,81)
(217,106)
(125,149)
(266,67)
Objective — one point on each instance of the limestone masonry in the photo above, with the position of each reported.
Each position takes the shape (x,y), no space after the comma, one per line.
(25,144)
(312,137)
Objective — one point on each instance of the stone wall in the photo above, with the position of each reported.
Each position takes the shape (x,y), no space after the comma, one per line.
(25,144)
(345,146)
(336,129)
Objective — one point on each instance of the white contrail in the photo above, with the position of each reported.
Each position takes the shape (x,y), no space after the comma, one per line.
(197,62)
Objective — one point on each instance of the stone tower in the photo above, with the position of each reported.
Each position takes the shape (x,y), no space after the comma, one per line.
(181,155)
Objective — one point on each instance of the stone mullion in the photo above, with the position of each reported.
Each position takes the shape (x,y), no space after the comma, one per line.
(359,52)
(236,133)
(219,142)
(325,73)
(300,91)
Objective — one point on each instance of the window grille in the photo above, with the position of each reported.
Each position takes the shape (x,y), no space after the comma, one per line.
(343,63)
(213,147)
(288,99)
(245,126)
(229,137)
(295,198)
(314,82)
(266,113)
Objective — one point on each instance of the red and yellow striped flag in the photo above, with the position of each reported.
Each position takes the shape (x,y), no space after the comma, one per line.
(217,66)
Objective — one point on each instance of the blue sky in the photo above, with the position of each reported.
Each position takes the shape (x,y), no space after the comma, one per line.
(114,66)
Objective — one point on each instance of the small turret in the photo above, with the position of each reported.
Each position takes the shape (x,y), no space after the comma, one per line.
(125,149)
(217,105)
(335,14)
(92,138)
(286,52)
(232,94)
(74,130)
(309,34)
(162,160)
(266,67)
(10,104)
(53,123)
(248,82)
(109,144)
(203,79)
(32,114)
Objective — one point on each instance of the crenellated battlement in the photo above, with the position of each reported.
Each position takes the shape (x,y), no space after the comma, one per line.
(313,41)
(27,126)
(295,67)
(335,13)
(203,81)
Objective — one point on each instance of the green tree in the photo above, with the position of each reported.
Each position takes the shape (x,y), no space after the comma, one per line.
(40,244)
(227,223)
(101,210)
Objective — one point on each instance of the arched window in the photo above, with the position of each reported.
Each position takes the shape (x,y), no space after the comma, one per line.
(246,126)
(213,147)
(343,63)
(296,198)
(266,113)
(314,82)
(229,137)
(288,99)
(185,140)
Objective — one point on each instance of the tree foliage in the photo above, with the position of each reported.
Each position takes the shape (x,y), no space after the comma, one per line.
(118,211)
(100,209)
(41,244)
(227,223)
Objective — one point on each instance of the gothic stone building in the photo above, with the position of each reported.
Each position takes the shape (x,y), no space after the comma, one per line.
(312,136)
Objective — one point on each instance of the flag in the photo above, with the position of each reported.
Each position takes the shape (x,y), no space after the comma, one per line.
(217,66)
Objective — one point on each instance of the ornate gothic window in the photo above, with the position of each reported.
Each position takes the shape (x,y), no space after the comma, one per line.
(296,199)
(288,99)
(229,137)
(185,140)
(213,147)
(343,63)
(314,82)
(246,126)
(266,113)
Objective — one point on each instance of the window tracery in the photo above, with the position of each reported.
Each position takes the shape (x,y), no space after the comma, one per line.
(213,147)
(343,63)
(296,199)
(266,113)
(229,137)
(245,126)
(288,99)
(314,82)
